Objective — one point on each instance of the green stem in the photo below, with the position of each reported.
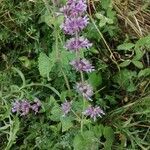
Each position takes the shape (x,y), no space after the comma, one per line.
(39,84)
(59,59)
(50,11)
(76,115)
(82,80)
(82,118)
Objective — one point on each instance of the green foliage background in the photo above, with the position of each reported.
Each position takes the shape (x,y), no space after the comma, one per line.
(34,63)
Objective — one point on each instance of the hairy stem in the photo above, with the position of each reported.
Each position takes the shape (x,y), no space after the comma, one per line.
(50,11)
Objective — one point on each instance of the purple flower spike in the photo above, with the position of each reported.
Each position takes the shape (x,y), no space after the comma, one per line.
(76,44)
(73,25)
(16,107)
(74,8)
(36,105)
(66,107)
(94,112)
(82,65)
(24,108)
(85,90)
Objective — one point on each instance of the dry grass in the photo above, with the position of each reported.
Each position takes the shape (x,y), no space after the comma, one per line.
(134,16)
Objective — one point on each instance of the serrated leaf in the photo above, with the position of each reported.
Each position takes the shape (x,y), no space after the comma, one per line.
(56,113)
(144,73)
(125,46)
(125,63)
(66,123)
(98,130)
(86,141)
(45,64)
(138,64)
(78,142)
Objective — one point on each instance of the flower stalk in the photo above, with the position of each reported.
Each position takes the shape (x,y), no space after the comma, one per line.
(75,21)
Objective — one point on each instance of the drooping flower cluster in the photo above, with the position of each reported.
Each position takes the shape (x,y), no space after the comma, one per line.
(23,107)
(75,21)
(66,107)
(94,112)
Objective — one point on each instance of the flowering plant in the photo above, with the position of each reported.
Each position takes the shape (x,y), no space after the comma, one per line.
(75,21)
(92,93)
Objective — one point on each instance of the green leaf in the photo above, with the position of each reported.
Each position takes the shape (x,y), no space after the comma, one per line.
(26,62)
(56,113)
(144,73)
(98,130)
(139,54)
(78,142)
(131,87)
(102,22)
(109,21)
(138,64)
(105,4)
(99,16)
(21,75)
(45,64)
(95,79)
(13,133)
(124,78)
(143,42)
(66,57)
(125,46)
(125,63)
(47,18)
(86,141)
(66,123)
(109,136)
